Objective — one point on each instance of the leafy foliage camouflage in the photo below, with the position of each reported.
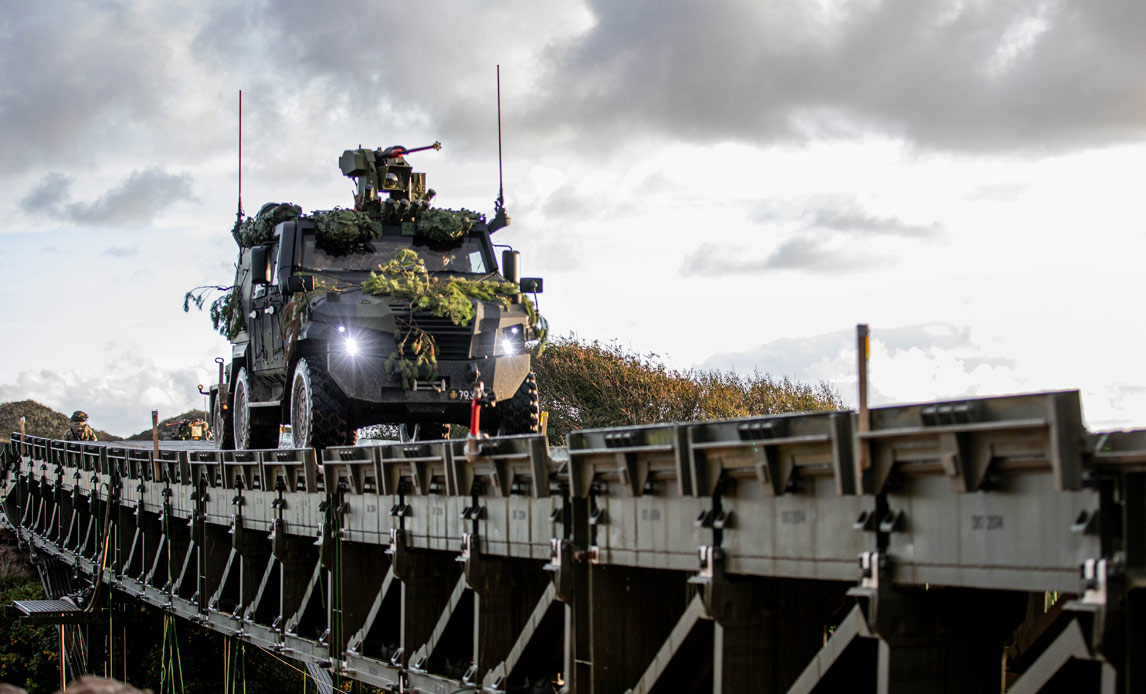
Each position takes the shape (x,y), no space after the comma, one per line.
(406,277)
(590,385)
(415,356)
(226,311)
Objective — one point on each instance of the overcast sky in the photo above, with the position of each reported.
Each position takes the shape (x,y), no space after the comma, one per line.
(729,184)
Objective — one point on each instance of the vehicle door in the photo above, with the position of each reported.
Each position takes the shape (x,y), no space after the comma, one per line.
(266,319)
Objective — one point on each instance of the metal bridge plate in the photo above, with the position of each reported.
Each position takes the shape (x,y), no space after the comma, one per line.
(31,607)
(49,612)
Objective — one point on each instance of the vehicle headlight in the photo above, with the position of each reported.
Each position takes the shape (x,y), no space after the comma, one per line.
(510,341)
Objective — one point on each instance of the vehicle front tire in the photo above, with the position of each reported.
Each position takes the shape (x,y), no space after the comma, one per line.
(522,413)
(318,412)
(249,432)
(222,425)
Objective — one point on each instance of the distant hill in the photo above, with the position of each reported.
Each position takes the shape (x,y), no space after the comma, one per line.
(166,432)
(39,420)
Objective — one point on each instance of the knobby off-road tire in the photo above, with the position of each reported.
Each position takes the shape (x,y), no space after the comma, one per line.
(318,416)
(249,432)
(437,431)
(223,425)
(522,413)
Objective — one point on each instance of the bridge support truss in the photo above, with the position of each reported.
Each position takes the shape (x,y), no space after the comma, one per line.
(981,545)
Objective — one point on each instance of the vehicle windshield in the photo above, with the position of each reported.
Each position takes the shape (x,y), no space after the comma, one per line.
(367,256)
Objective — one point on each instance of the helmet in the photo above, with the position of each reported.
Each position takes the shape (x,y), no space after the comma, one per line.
(79,416)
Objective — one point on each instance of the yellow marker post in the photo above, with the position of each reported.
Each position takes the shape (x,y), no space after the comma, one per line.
(863,418)
(155,445)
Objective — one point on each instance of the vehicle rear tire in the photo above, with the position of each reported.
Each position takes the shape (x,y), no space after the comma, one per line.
(521,414)
(249,432)
(318,412)
(223,425)
(436,431)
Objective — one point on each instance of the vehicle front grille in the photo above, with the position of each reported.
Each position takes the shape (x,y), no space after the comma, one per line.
(453,341)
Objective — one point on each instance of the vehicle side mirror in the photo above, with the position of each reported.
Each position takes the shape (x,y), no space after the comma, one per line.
(300,283)
(260,266)
(532,285)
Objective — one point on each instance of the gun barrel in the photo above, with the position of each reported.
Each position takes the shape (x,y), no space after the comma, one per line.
(436,145)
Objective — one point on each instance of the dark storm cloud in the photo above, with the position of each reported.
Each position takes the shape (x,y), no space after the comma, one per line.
(73,72)
(395,63)
(800,253)
(1007,75)
(136,200)
(45,196)
(85,82)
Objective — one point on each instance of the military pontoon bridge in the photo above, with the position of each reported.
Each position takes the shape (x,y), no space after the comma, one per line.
(898,549)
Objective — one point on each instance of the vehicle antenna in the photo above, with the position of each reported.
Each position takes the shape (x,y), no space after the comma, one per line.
(500,180)
(239,214)
(500,218)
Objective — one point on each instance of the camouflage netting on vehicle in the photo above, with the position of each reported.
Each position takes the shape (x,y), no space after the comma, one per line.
(345,226)
(259,229)
(339,227)
(445,225)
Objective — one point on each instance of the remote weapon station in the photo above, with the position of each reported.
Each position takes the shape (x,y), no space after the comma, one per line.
(392,312)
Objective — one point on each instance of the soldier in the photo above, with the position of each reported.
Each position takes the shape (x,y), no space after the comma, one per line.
(79,429)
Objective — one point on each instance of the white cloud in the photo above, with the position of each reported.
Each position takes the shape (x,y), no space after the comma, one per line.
(118,400)
(967,165)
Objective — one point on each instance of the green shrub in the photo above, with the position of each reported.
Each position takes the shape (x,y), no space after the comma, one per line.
(588,385)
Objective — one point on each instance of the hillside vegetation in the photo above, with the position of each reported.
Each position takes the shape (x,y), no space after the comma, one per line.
(40,420)
(168,427)
(588,385)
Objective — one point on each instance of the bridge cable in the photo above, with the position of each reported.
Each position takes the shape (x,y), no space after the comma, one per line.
(305,675)
(171,664)
(111,640)
(338,584)
(234,665)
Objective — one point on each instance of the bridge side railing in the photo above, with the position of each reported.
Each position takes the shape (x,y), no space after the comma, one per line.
(448,563)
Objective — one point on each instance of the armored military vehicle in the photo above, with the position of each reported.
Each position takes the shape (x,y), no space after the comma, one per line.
(394,311)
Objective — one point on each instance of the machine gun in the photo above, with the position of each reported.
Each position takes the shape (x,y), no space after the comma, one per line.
(378,171)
